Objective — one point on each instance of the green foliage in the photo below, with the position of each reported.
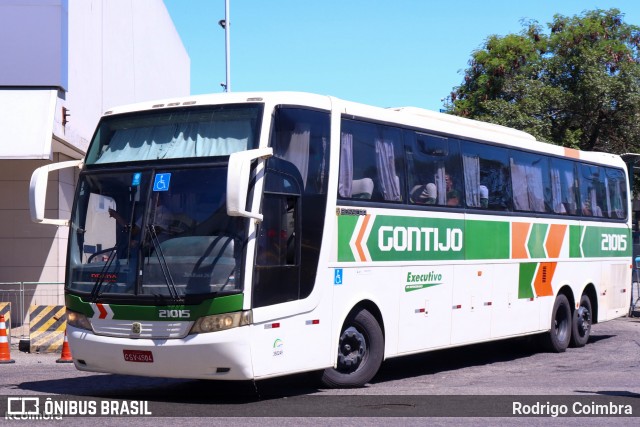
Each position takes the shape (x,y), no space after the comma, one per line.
(577,85)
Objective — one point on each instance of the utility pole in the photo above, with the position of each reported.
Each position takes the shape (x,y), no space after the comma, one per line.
(225,24)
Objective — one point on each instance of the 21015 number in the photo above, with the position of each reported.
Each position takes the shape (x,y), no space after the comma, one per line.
(614,242)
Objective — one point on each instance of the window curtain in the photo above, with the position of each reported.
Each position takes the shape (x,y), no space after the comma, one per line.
(528,191)
(609,211)
(617,199)
(556,192)
(321,176)
(385,162)
(471,166)
(201,139)
(441,185)
(298,150)
(595,209)
(345,179)
(570,195)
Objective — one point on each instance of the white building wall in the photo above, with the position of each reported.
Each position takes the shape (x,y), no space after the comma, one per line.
(119,52)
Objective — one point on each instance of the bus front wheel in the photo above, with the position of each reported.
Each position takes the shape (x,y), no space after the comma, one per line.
(360,352)
(558,338)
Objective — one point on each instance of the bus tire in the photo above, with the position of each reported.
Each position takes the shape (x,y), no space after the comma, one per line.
(360,352)
(581,325)
(558,338)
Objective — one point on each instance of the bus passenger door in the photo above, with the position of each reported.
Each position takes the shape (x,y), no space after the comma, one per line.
(291,326)
(287,336)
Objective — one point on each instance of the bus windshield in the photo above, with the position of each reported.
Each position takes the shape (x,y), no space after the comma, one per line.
(180,133)
(154,234)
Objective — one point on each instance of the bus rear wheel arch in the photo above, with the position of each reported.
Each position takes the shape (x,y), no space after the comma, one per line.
(360,351)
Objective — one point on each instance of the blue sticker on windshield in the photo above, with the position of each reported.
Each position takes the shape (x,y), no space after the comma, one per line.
(136,179)
(161,182)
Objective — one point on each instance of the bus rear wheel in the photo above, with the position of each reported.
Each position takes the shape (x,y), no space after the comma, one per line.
(360,352)
(581,325)
(558,338)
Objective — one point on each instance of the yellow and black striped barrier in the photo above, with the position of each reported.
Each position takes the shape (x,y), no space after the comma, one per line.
(46,328)
(5,310)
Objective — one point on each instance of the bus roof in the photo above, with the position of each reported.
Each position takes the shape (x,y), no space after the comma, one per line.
(420,118)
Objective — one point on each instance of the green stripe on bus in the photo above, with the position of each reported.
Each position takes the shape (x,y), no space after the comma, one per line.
(346,227)
(75,303)
(606,242)
(400,238)
(527,271)
(575,234)
(218,305)
(404,238)
(597,241)
(487,240)
(536,240)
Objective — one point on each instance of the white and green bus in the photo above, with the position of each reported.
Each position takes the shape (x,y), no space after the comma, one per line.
(245,236)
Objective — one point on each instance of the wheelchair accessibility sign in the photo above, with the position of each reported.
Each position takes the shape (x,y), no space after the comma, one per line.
(161,182)
(337,276)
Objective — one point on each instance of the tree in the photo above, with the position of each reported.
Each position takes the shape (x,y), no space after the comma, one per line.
(577,86)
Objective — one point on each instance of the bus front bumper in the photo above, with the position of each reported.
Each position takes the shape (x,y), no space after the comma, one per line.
(223,355)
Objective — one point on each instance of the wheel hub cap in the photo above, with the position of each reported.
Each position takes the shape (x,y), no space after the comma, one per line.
(352,349)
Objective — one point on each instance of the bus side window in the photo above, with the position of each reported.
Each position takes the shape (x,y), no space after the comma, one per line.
(531,182)
(371,162)
(616,190)
(564,192)
(486,173)
(432,170)
(592,191)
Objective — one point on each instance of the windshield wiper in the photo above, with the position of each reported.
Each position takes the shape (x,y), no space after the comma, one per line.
(163,264)
(95,291)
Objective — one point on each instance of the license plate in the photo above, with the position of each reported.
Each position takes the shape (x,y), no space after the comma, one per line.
(138,356)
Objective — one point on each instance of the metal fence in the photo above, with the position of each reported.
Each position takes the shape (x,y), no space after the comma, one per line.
(22,295)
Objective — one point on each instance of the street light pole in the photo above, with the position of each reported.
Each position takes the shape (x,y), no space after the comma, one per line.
(225,24)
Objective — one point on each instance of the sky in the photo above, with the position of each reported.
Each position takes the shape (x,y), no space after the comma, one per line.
(389,53)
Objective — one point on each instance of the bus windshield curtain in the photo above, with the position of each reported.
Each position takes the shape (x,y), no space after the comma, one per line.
(182,140)
(471,166)
(346,165)
(528,193)
(385,162)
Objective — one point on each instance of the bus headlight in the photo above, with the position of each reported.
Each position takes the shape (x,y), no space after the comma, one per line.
(78,320)
(220,322)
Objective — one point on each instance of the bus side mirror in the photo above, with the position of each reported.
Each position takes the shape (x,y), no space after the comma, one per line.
(38,191)
(238,181)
